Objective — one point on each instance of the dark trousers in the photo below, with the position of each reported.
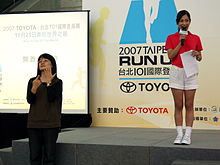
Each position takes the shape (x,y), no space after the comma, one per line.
(42,144)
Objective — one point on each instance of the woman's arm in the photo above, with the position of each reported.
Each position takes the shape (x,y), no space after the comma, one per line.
(198,55)
(173,52)
(54,90)
(30,96)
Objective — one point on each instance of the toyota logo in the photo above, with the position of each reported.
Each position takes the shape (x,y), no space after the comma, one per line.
(128,87)
(131,110)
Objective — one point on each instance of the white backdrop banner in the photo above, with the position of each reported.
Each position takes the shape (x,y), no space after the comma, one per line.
(130,68)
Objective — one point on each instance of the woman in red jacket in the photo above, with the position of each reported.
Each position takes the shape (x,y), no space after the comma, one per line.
(183,88)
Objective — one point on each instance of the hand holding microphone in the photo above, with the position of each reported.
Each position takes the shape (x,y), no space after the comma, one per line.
(183,35)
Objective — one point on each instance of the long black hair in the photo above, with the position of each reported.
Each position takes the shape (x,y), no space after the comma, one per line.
(52,60)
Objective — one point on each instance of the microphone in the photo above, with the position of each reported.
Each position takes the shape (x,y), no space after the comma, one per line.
(183,31)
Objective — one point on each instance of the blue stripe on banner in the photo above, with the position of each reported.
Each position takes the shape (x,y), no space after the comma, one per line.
(148,78)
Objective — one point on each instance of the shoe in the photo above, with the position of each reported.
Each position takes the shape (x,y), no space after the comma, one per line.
(186,140)
(178,140)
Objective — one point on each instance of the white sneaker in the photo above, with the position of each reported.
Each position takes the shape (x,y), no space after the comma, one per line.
(186,140)
(178,139)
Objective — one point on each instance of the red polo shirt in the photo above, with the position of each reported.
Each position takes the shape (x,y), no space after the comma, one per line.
(192,42)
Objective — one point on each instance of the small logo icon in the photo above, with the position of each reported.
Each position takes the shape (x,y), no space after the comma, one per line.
(214,109)
(131,110)
(215,119)
(128,87)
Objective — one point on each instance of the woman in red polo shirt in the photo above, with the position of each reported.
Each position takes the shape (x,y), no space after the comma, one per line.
(183,88)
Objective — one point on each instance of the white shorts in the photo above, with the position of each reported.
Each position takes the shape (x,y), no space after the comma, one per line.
(178,79)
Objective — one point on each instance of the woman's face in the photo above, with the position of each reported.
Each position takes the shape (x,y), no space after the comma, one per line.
(184,22)
(44,64)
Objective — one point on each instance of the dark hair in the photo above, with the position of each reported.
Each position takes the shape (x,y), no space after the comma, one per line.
(52,60)
(180,14)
